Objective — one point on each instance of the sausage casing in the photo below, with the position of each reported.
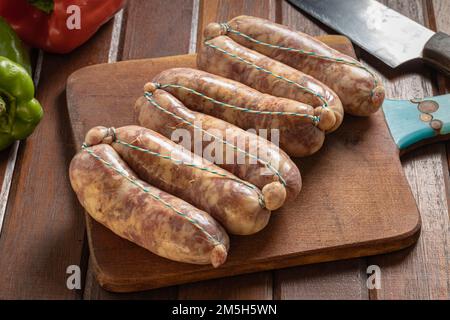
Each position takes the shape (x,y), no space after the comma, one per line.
(224,57)
(257,160)
(360,90)
(153,219)
(298,133)
(236,204)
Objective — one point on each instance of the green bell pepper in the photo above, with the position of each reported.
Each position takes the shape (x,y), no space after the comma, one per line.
(12,47)
(20,112)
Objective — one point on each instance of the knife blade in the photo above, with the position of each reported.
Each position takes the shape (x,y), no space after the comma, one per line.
(381,31)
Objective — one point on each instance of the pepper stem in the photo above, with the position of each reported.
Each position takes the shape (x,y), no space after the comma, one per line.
(2,106)
(43,5)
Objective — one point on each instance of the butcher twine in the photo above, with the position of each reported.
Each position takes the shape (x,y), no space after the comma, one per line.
(124,174)
(148,96)
(318,95)
(227,28)
(192,165)
(314,119)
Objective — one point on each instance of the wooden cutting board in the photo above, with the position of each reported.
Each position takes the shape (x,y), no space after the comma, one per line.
(355,199)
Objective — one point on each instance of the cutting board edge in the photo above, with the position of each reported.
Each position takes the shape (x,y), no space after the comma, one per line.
(73,76)
(363,249)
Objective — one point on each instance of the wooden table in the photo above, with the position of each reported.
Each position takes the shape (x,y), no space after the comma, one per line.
(44,232)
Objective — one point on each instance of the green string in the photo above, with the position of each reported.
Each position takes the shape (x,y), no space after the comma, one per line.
(193,165)
(227,29)
(124,174)
(314,119)
(312,92)
(148,96)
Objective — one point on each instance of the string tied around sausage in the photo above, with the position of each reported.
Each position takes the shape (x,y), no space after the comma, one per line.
(188,164)
(146,190)
(227,29)
(280,77)
(267,164)
(315,119)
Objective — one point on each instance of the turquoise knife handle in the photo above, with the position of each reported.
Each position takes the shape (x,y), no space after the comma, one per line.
(418,121)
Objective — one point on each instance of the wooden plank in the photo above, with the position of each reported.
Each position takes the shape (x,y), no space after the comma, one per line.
(440,10)
(148,31)
(335,280)
(441,14)
(8,158)
(157,28)
(298,20)
(253,286)
(44,230)
(257,286)
(341,280)
(423,271)
(93,291)
(224,10)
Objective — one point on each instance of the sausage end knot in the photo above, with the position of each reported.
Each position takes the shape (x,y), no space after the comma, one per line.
(151,87)
(99,135)
(214,30)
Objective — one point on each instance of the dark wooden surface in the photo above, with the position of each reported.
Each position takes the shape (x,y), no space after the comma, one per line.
(42,235)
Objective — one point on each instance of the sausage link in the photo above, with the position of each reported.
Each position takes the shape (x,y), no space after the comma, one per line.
(242,153)
(167,226)
(236,204)
(246,107)
(224,57)
(360,90)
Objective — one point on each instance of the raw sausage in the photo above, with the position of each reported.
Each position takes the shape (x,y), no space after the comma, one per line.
(167,226)
(236,204)
(360,90)
(299,131)
(224,57)
(242,153)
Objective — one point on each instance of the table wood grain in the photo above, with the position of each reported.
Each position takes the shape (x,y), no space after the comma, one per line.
(42,236)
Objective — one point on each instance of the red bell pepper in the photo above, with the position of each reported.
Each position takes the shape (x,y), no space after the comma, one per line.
(52,25)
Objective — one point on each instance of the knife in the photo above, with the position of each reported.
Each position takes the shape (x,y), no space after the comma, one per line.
(383,32)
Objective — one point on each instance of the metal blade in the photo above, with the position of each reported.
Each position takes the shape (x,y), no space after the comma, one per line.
(383,32)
